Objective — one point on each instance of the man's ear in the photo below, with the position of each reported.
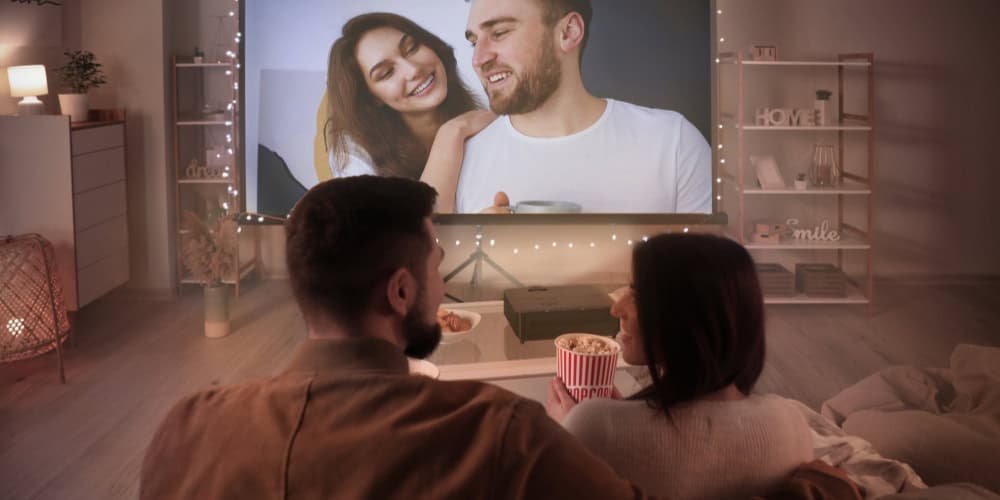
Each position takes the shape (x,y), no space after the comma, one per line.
(401,291)
(571,30)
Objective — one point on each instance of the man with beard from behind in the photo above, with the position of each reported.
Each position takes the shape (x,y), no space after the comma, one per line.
(346,419)
(557,142)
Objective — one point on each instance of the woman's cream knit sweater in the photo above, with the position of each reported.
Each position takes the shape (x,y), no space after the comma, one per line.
(707,450)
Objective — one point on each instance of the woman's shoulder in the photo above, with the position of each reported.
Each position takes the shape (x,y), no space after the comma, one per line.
(356,161)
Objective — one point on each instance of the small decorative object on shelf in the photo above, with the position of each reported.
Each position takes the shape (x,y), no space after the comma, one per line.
(820,232)
(801,182)
(769,232)
(784,117)
(194,171)
(763,52)
(822,106)
(768,174)
(820,280)
(81,73)
(209,254)
(199,56)
(775,280)
(823,172)
(32,314)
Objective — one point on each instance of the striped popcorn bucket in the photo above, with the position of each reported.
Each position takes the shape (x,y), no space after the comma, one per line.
(587,375)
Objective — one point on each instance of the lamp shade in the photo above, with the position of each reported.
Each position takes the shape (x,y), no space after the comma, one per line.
(27,81)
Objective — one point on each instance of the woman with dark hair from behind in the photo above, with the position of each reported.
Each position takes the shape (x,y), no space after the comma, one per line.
(397,106)
(694,316)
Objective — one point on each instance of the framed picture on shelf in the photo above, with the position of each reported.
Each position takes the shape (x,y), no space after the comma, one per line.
(768,174)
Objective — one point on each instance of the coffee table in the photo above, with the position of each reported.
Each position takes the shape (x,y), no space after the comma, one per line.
(492,352)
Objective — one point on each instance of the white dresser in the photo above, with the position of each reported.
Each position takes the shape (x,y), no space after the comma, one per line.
(68,184)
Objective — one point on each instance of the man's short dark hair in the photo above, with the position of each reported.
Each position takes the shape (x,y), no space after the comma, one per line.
(554,10)
(346,237)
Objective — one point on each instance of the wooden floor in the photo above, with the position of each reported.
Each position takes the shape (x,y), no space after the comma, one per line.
(132,359)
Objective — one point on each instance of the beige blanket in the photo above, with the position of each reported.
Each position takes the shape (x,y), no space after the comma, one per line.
(945,422)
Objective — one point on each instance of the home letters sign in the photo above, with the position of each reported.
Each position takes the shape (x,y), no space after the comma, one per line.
(785,117)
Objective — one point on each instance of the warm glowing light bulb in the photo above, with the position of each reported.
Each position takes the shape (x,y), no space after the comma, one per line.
(458,242)
(629,242)
(516,251)
(592,245)
(537,246)
(686,230)
(554,244)
(15,327)
(493,242)
(570,245)
(260,219)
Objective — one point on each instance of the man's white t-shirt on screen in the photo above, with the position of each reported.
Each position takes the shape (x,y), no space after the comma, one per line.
(633,159)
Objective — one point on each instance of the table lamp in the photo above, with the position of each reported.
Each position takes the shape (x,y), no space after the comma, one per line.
(28,82)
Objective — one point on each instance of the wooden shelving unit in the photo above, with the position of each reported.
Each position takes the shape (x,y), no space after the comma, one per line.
(855,187)
(194,133)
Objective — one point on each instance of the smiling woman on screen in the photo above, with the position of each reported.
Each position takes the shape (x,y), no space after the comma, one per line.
(397,106)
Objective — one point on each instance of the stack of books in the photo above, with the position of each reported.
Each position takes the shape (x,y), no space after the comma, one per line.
(775,280)
(820,280)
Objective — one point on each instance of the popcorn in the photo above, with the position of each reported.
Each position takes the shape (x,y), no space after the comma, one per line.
(585,345)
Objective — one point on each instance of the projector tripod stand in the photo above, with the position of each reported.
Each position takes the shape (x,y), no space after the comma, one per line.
(476,258)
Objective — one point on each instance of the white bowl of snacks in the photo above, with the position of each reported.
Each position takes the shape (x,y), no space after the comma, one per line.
(456,323)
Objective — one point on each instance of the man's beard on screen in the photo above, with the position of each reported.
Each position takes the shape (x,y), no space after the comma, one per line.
(421,338)
(535,85)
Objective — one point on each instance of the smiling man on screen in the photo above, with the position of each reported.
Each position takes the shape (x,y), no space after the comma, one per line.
(556,141)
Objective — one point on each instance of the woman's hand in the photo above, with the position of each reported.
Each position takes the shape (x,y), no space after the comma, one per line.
(470,123)
(560,402)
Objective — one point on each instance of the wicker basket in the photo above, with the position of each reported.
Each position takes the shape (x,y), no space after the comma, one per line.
(32,314)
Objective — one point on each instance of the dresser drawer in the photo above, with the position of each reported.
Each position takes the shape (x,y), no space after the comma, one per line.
(102,276)
(88,140)
(101,241)
(99,205)
(92,170)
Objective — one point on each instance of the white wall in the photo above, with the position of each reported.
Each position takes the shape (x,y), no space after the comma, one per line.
(128,38)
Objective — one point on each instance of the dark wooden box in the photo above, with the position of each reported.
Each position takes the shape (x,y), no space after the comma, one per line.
(538,313)
(775,280)
(820,280)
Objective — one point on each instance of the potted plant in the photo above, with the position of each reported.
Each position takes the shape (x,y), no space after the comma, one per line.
(209,254)
(801,182)
(822,107)
(199,56)
(81,73)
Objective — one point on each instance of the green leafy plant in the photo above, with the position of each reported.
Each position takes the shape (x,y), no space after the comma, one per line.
(209,250)
(81,72)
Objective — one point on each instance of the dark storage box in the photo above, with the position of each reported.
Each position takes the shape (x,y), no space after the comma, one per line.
(538,313)
(820,280)
(775,280)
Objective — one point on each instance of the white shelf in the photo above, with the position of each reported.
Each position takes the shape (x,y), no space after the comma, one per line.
(854,296)
(847,187)
(860,64)
(205,65)
(205,181)
(190,123)
(845,243)
(848,128)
